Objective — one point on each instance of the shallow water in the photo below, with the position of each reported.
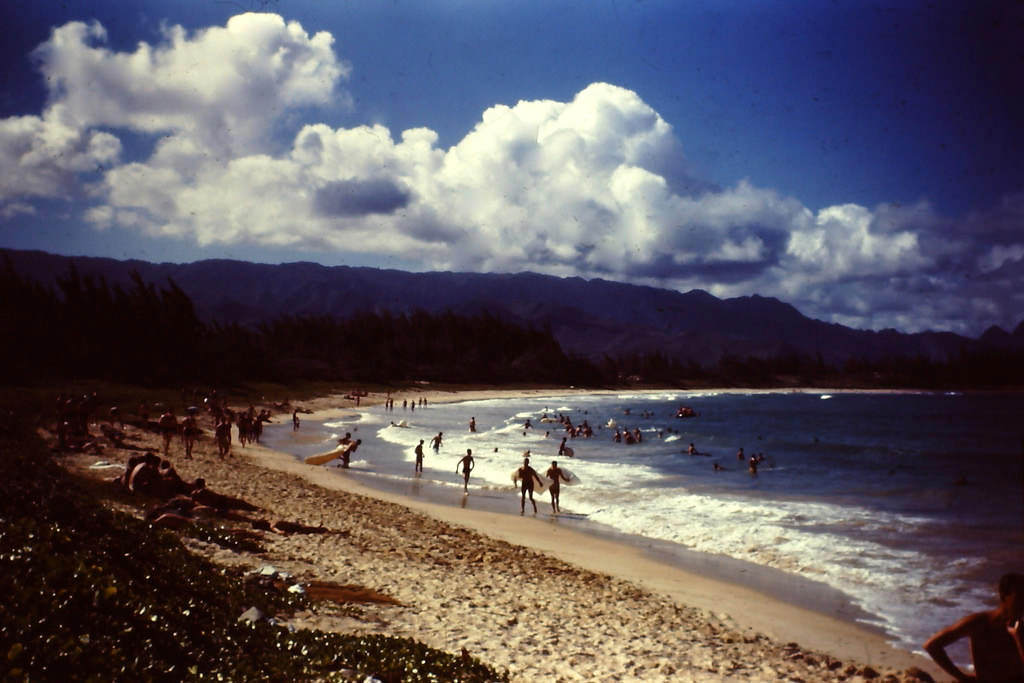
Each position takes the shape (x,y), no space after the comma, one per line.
(911,505)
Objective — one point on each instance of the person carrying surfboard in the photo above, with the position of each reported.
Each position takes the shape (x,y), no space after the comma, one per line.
(528,476)
(556,476)
(467,463)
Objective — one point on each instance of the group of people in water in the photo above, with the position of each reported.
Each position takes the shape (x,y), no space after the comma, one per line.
(526,476)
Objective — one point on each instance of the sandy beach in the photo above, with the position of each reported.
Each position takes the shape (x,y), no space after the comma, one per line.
(527,594)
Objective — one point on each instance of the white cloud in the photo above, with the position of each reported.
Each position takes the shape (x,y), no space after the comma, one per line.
(222,86)
(596,186)
(42,156)
(842,242)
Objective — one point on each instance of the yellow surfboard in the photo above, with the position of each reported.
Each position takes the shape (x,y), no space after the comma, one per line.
(322,458)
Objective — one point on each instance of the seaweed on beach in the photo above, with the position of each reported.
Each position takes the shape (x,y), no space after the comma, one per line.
(94,594)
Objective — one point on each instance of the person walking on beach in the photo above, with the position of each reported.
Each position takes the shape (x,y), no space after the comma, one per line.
(419,457)
(435,443)
(168,428)
(223,435)
(528,476)
(189,429)
(467,463)
(557,476)
(996,638)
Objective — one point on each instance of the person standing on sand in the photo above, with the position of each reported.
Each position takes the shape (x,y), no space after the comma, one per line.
(467,463)
(996,638)
(189,429)
(419,457)
(528,476)
(223,436)
(557,476)
(168,427)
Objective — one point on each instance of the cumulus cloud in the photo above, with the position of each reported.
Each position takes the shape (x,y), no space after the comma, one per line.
(223,86)
(43,157)
(595,186)
(215,95)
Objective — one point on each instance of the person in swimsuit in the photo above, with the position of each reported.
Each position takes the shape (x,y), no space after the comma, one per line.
(556,476)
(419,457)
(996,638)
(527,475)
(467,464)
(346,455)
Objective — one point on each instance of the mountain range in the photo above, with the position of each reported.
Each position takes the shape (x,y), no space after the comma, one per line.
(590,318)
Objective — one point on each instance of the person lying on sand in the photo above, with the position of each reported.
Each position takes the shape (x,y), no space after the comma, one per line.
(205,496)
(180,511)
(996,637)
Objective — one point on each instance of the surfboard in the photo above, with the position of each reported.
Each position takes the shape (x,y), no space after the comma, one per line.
(573,479)
(568,452)
(540,482)
(321,458)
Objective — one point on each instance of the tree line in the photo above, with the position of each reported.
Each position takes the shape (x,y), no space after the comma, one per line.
(85,328)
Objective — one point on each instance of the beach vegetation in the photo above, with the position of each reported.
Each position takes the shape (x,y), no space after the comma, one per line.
(91,593)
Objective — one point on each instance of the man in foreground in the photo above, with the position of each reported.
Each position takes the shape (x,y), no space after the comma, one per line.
(997,648)
(528,476)
(556,476)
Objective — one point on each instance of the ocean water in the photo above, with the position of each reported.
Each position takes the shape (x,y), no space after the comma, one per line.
(910,505)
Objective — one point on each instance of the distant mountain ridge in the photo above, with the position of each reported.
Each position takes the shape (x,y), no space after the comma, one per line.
(591,318)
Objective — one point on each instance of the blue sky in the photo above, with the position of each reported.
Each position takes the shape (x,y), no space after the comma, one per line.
(861,161)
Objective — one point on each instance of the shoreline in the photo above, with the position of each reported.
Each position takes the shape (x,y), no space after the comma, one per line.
(540,599)
(831,628)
